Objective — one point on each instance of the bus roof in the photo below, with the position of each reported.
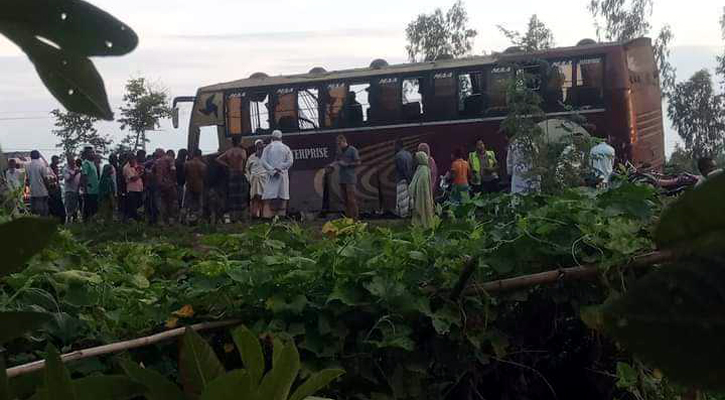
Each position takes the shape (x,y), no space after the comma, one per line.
(261,80)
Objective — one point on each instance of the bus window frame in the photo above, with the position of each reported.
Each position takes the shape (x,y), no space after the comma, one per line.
(484,71)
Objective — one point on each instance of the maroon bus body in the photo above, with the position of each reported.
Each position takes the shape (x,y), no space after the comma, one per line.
(631,116)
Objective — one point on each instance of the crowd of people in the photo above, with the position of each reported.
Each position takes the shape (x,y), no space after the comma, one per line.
(163,187)
(184,187)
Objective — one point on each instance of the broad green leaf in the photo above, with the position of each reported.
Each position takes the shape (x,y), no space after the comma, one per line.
(157,386)
(417,255)
(695,216)
(277,347)
(74,25)
(71,78)
(627,376)
(233,385)
(4,387)
(198,365)
(16,323)
(673,318)
(315,383)
(108,387)
(22,239)
(279,304)
(57,378)
(251,352)
(277,383)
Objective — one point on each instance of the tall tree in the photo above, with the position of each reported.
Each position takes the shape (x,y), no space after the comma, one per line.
(720,69)
(698,115)
(622,20)
(74,130)
(433,35)
(144,106)
(537,37)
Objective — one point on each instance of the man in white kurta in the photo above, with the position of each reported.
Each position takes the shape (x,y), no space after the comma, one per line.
(519,168)
(277,159)
(257,177)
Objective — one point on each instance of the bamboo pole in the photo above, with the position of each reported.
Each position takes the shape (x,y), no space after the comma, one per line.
(119,346)
(574,273)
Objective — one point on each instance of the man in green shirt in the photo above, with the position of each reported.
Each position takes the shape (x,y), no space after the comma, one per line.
(484,169)
(90,183)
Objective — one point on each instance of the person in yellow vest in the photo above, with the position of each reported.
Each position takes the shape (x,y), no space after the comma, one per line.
(484,169)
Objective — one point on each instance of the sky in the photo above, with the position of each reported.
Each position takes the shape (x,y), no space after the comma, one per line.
(186,44)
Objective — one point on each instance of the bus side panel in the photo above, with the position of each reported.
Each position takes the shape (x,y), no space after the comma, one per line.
(648,141)
(312,189)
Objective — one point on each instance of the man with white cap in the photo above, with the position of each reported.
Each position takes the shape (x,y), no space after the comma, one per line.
(257,177)
(277,159)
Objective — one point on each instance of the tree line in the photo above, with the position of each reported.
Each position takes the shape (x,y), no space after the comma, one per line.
(695,106)
(144,105)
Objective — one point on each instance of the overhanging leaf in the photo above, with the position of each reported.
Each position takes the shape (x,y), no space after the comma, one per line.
(57,378)
(674,319)
(233,385)
(315,383)
(157,386)
(277,383)
(22,239)
(71,78)
(251,352)
(16,323)
(74,25)
(198,364)
(697,214)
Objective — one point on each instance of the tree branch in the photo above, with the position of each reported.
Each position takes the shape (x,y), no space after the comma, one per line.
(574,273)
(119,346)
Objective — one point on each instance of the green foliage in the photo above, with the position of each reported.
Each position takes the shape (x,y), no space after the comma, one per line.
(696,111)
(57,382)
(696,219)
(622,20)
(365,299)
(144,105)
(434,35)
(251,352)
(157,387)
(198,364)
(16,323)
(75,130)
(71,31)
(673,317)
(537,37)
(22,239)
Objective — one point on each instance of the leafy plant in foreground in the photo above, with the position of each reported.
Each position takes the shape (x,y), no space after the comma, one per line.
(204,377)
(673,317)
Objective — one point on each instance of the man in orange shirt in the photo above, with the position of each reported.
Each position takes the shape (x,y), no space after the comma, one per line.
(460,173)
